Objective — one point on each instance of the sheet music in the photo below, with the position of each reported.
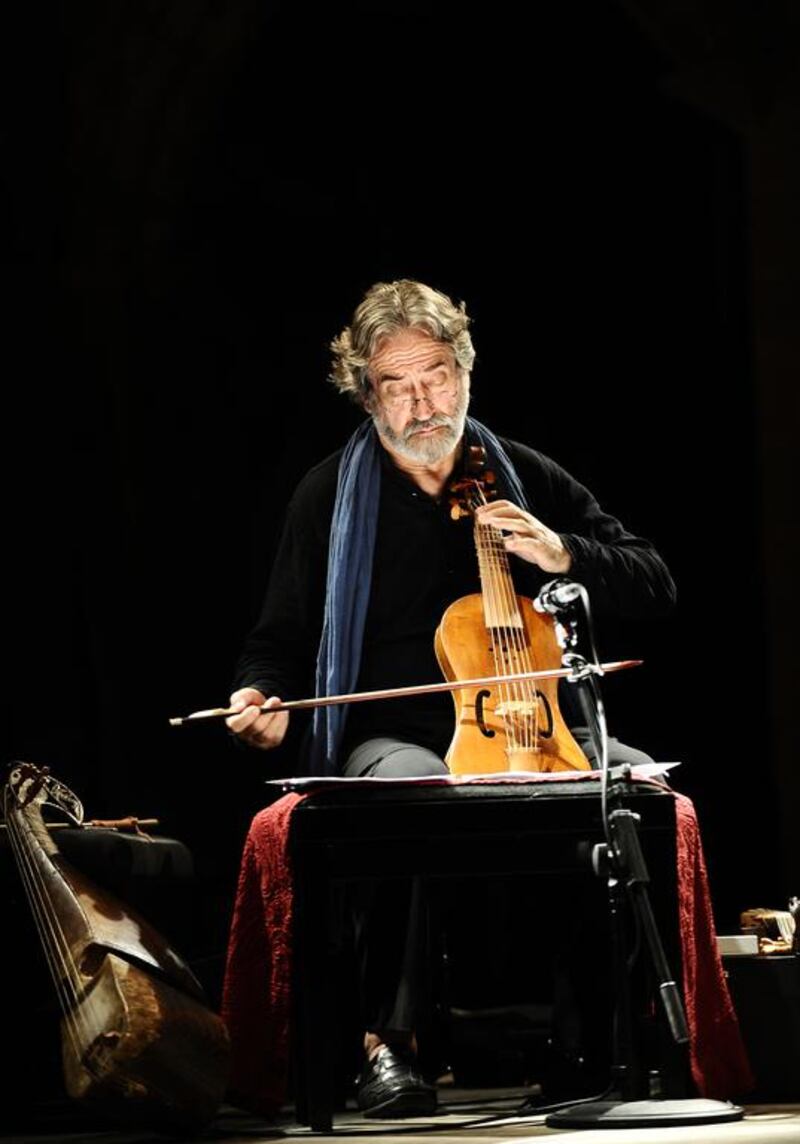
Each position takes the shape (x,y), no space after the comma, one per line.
(307,782)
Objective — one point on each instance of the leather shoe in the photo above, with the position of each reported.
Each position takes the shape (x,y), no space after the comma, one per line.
(390,1086)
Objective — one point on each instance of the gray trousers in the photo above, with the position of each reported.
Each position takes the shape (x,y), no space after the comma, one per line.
(393,758)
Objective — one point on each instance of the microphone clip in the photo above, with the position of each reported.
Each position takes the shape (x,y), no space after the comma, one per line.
(558,596)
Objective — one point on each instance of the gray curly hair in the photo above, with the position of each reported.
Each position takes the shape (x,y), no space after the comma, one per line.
(387,308)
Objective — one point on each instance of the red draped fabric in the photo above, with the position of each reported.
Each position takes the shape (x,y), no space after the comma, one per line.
(256,1000)
(257,992)
(719,1062)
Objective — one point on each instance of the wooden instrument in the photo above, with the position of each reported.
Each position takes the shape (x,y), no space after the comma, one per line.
(138,1041)
(514,725)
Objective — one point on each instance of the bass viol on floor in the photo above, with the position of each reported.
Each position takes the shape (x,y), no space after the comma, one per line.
(138,1041)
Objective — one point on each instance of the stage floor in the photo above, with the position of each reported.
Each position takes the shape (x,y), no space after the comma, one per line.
(459,1110)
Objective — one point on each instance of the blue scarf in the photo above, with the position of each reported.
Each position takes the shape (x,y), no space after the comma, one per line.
(350,552)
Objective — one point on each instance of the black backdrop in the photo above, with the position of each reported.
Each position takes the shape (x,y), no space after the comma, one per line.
(199,198)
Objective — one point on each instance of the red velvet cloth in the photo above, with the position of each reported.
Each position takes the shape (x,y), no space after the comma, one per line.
(256,1000)
(720,1068)
(257,991)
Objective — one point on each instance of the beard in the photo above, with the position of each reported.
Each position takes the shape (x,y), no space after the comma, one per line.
(431,449)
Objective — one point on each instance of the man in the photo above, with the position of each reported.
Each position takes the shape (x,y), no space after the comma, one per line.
(369,560)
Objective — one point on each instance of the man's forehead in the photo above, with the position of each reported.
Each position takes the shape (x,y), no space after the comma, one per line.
(407,349)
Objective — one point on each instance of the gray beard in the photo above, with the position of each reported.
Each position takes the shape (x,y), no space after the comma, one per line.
(428,450)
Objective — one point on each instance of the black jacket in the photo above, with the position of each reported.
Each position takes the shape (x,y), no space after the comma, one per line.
(423,561)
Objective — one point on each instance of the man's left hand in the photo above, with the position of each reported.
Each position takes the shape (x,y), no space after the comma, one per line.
(529,539)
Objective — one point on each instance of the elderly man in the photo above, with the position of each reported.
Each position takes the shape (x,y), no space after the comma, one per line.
(369,560)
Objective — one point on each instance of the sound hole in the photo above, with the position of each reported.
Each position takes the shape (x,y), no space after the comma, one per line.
(547,731)
(479,699)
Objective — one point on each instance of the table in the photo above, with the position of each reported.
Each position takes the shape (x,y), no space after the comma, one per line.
(483,830)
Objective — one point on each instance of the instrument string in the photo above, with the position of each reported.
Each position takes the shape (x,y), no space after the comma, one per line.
(516,646)
(520,659)
(491,596)
(482,534)
(504,611)
(58,955)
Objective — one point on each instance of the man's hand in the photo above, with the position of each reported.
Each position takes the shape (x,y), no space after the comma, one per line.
(256,728)
(530,539)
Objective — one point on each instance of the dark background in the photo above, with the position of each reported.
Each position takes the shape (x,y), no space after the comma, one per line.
(195,198)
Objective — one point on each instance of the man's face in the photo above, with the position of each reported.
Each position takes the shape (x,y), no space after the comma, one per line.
(419,396)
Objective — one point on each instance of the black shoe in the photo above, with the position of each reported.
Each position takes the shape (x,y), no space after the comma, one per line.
(389,1085)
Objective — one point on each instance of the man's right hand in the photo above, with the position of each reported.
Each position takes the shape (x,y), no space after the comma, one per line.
(254,727)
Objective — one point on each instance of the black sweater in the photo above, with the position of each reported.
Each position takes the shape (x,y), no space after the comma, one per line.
(423,561)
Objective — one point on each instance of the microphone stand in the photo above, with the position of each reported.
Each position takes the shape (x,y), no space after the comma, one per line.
(620,860)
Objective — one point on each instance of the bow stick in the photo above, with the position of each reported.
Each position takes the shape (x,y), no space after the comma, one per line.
(416,689)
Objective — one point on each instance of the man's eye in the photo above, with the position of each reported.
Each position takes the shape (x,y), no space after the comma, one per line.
(439,382)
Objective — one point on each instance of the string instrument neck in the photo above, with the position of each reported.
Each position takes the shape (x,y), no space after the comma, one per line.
(500,607)
(474,488)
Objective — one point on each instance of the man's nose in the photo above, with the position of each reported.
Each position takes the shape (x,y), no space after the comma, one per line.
(422,400)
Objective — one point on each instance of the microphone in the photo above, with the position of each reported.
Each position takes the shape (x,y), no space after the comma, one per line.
(557,596)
